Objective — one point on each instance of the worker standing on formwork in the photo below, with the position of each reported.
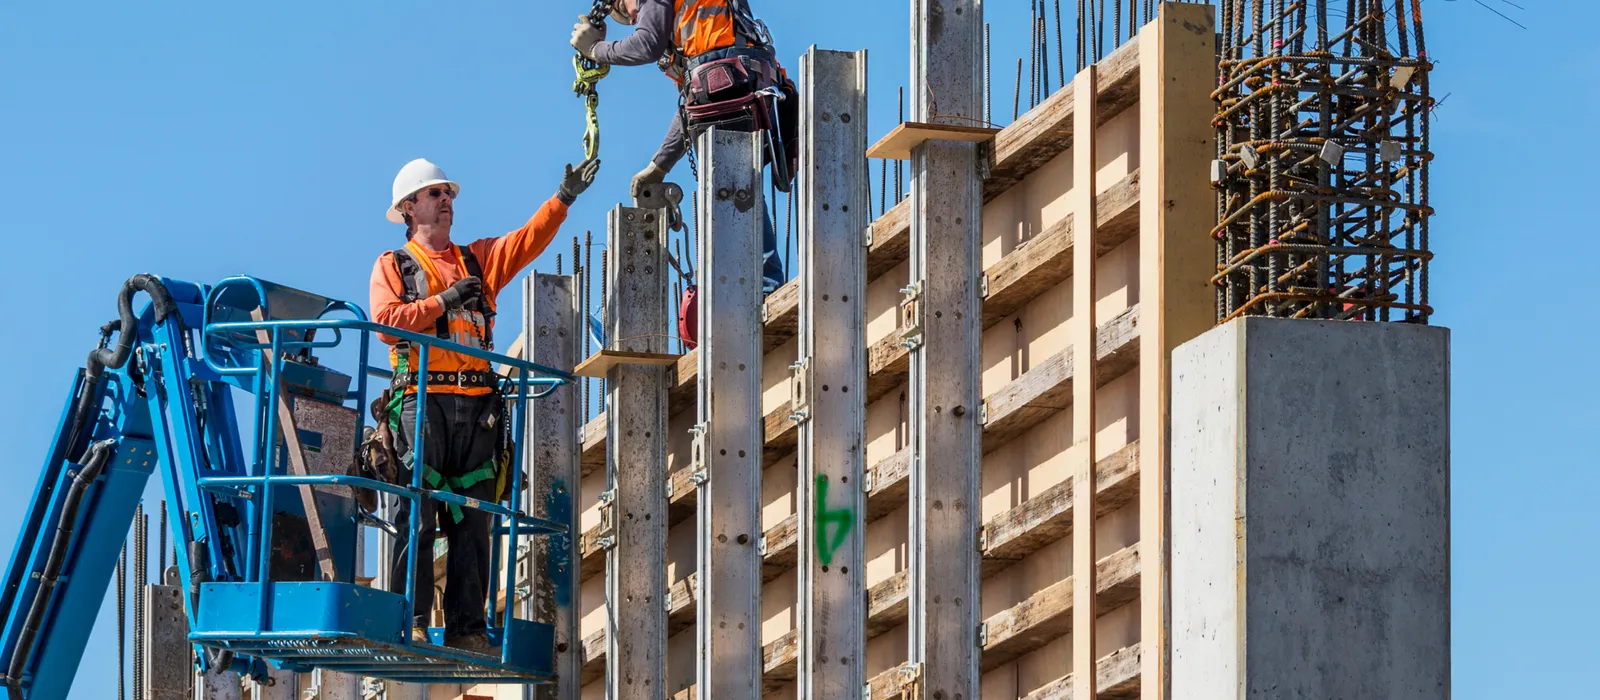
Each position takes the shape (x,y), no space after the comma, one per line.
(722,60)
(433,286)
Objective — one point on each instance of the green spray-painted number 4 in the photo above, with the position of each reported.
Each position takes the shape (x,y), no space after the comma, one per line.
(842,519)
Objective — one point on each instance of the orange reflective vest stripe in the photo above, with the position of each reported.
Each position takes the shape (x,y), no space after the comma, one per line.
(469,327)
(704,25)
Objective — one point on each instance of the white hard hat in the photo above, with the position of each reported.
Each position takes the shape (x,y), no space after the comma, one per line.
(413,178)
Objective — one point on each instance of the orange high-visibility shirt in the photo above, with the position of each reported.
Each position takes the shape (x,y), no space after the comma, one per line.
(501,259)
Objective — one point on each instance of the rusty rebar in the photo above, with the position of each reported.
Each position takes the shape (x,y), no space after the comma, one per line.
(1323,153)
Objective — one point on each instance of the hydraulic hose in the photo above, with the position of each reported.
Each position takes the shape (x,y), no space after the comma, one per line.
(98,454)
(114,358)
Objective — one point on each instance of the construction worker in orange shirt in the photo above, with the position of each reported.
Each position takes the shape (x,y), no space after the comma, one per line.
(431,285)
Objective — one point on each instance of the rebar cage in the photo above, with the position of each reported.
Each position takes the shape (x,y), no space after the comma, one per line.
(1322,160)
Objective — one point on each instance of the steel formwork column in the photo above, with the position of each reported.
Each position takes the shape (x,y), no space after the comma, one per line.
(830,377)
(727,450)
(941,315)
(634,506)
(551,336)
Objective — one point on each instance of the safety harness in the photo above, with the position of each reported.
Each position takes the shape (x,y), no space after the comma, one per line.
(414,275)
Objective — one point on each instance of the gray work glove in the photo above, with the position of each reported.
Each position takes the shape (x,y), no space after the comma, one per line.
(585,36)
(652,174)
(576,181)
(459,294)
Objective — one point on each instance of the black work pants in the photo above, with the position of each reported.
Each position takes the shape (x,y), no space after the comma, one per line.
(459,440)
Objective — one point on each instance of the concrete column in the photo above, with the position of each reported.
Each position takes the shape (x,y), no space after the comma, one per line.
(1310,511)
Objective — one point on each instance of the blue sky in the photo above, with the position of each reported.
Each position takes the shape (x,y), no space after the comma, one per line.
(201,140)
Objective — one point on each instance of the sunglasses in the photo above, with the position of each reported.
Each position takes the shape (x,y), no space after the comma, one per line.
(437,192)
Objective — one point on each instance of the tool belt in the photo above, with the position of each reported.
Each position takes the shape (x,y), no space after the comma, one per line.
(457,379)
(724,89)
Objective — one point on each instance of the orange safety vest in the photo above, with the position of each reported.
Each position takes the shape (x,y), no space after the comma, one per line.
(470,326)
(704,25)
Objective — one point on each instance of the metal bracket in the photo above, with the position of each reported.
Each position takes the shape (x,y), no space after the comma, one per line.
(983,538)
(911,316)
(983,413)
(763,313)
(983,634)
(761,545)
(608,511)
(868,480)
(663,195)
(801,376)
(606,543)
(866,237)
(983,286)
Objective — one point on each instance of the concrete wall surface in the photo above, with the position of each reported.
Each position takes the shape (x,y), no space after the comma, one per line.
(1310,511)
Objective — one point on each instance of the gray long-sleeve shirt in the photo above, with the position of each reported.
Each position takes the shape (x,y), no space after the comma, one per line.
(651,39)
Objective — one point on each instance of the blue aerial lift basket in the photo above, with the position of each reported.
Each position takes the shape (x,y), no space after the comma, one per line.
(160,400)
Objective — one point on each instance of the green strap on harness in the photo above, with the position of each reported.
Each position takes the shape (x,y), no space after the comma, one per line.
(435,480)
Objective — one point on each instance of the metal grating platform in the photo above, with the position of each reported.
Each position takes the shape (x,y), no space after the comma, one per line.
(360,630)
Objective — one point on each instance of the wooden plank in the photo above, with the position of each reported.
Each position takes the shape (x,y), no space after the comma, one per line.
(555,481)
(1048,516)
(1083,326)
(1117,673)
(1044,261)
(1177,57)
(1047,388)
(891,240)
(1117,676)
(636,321)
(781,542)
(905,137)
(1046,130)
(1050,614)
(728,443)
(601,362)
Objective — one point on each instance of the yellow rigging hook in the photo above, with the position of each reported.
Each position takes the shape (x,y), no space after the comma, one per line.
(586,85)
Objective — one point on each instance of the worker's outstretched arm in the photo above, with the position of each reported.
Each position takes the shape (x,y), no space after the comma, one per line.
(388,309)
(504,257)
(650,40)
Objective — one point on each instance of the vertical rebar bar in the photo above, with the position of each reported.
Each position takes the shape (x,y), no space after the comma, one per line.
(122,622)
(141,524)
(898,192)
(1061,65)
(1033,55)
(1044,54)
(1016,97)
(988,78)
(788,234)
(161,554)
(1116,25)
(1083,29)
